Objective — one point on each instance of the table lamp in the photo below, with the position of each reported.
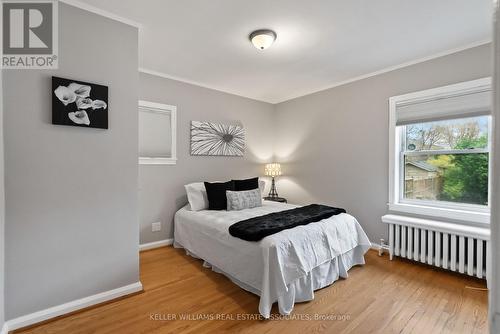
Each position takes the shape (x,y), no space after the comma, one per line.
(273,170)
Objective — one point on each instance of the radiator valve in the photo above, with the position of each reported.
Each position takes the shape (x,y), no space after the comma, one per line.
(383,246)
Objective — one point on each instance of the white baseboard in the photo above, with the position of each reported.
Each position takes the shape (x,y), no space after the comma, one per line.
(156,244)
(75,305)
(377,247)
(4,329)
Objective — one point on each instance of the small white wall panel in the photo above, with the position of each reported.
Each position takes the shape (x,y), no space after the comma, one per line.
(437,263)
(488,262)
(470,256)
(445,250)
(409,254)
(461,254)
(430,248)
(391,240)
(403,241)
(453,260)
(479,259)
(397,241)
(423,243)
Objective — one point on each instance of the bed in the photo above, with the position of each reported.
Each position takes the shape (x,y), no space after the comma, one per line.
(286,267)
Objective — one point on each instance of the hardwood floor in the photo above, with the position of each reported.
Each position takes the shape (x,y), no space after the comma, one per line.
(381,297)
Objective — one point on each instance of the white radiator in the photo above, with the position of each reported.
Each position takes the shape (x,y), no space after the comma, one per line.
(460,248)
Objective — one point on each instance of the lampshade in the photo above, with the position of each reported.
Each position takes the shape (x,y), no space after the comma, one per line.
(262,39)
(273,169)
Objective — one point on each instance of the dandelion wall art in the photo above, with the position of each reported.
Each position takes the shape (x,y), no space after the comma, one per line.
(217,139)
(79,103)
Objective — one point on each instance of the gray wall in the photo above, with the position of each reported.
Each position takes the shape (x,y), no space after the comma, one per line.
(71,193)
(2,212)
(161,187)
(334,143)
(494,284)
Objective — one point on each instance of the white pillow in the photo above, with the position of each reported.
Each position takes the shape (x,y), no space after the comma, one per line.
(197,196)
(262,186)
(247,199)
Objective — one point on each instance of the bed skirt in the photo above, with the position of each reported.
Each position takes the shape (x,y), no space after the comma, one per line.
(302,289)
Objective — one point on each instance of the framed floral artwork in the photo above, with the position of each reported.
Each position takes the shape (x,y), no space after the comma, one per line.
(79,103)
(217,139)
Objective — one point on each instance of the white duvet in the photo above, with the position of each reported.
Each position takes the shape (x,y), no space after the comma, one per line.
(285,267)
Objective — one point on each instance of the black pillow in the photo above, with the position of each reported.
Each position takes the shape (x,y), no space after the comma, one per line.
(248,184)
(216,193)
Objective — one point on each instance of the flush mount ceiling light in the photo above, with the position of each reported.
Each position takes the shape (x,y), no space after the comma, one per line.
(263,38)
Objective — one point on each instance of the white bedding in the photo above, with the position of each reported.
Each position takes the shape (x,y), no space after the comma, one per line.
(285,267)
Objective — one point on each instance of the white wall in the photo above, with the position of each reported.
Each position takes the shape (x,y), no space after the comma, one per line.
(162,191)
(71,192)
(494,293)
(334,144)
(2,211)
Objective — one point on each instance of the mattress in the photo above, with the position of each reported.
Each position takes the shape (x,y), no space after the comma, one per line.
(285,267)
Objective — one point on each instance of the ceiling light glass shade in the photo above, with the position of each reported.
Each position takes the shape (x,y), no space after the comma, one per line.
(262,39)
(273,169)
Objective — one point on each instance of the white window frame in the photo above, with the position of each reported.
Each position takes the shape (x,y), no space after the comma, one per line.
(467,213)
(165,109)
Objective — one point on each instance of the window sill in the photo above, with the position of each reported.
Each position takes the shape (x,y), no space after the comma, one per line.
(157,161)
(476,218)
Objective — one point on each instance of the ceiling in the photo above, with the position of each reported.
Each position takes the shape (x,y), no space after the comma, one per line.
(320,42)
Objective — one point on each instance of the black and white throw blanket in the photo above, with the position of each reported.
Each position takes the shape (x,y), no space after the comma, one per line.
(257,228)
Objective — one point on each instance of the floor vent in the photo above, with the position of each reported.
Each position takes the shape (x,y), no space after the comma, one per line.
(460,248)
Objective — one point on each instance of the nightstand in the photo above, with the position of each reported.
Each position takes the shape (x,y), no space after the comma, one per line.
(276,199)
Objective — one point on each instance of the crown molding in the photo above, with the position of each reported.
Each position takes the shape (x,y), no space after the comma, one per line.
(194,83)
(102,12)
(391,68)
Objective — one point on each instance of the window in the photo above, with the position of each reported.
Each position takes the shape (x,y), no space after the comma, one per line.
(440,152)
(157,134)
(446,161)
